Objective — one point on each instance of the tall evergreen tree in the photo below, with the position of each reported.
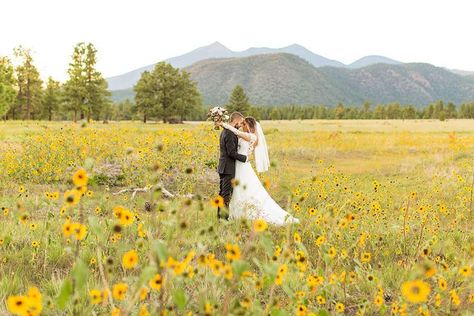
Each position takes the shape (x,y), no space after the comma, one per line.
(51,99)
(29,85)
(166,92)
(7,89)
(238,101)
(85,91)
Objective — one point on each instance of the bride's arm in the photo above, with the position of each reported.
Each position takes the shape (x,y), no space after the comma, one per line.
(240,134)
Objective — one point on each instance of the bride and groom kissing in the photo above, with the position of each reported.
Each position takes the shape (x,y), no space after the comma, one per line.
(243,193)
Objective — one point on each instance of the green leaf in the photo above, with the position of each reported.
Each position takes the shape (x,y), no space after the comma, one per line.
(179,298)
(147,274)
(79,273)
(323,312)
(240,267)
(94,226)
(267,244)
(278,312)
(160,249)
(64,294)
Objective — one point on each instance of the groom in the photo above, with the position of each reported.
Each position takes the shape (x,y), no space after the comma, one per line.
(228,145)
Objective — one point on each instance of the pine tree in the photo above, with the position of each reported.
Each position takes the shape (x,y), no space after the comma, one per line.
(29,85)
(238,101)
(85,91)
(97,100)
(7,90)
(51,99)
(166,92)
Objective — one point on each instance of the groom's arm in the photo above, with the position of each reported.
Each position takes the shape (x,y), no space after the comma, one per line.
(231,148)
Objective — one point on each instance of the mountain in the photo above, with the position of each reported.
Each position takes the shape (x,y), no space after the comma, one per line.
(281,78)
(267,79)
(372,60)
(295,49)
(463,72)
(412,83)
(217,50)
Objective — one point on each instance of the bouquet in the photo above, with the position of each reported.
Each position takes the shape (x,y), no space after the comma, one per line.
(217,115)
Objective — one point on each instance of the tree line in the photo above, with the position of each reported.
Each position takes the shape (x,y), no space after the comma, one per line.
(436,110)
(23,94)
(164,93)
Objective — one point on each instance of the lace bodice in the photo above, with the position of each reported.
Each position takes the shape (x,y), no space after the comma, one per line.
(246,147)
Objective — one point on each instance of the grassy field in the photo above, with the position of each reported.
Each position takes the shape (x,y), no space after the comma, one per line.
(386,210)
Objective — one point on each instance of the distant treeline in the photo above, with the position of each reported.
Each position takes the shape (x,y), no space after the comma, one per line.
(126,110)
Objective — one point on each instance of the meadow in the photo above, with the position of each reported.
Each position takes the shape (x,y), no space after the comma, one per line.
(120,219)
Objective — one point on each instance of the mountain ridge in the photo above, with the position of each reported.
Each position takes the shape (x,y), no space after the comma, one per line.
(282,79)
(218,50)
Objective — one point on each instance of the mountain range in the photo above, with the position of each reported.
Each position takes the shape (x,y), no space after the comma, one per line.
(295,75)
(217,50)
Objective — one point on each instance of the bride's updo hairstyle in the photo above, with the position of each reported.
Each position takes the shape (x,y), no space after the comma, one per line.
(251,123)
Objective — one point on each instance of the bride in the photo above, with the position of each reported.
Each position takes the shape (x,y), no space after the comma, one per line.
(250,199)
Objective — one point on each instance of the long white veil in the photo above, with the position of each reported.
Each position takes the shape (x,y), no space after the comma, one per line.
(262,162)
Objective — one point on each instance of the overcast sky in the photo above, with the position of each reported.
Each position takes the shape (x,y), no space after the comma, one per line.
(134,33)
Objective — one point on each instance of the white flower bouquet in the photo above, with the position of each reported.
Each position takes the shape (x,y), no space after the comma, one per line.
(218,115)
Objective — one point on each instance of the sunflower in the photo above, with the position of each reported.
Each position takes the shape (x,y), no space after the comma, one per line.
(378,301)
(218,201)
(68,228)
(297,237)
(119,291)
(95,296)
(416,291)
(17,305)
(80,178)
(130,259)
(301,310)
(35,299)
(144,293)
(443,285)
(321,300)
(340,307)
(80,231)
(259,225)
(144,311)
(245,302)
(126,218)
(465,271)
(21,189)
(156,283)
(320,240)
(332,252)
(233,252)
(72,197)
(228,273)
(366,257)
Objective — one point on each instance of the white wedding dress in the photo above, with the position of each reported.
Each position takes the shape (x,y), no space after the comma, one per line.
(250,200)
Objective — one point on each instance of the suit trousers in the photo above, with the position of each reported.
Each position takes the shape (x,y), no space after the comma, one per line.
(225,191)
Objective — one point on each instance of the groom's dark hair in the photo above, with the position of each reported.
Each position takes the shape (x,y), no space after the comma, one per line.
(236,115)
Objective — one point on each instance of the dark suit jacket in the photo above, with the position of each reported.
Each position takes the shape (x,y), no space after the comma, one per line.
(228,147)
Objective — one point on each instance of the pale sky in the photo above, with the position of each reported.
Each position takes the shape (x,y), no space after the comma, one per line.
(131,34)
